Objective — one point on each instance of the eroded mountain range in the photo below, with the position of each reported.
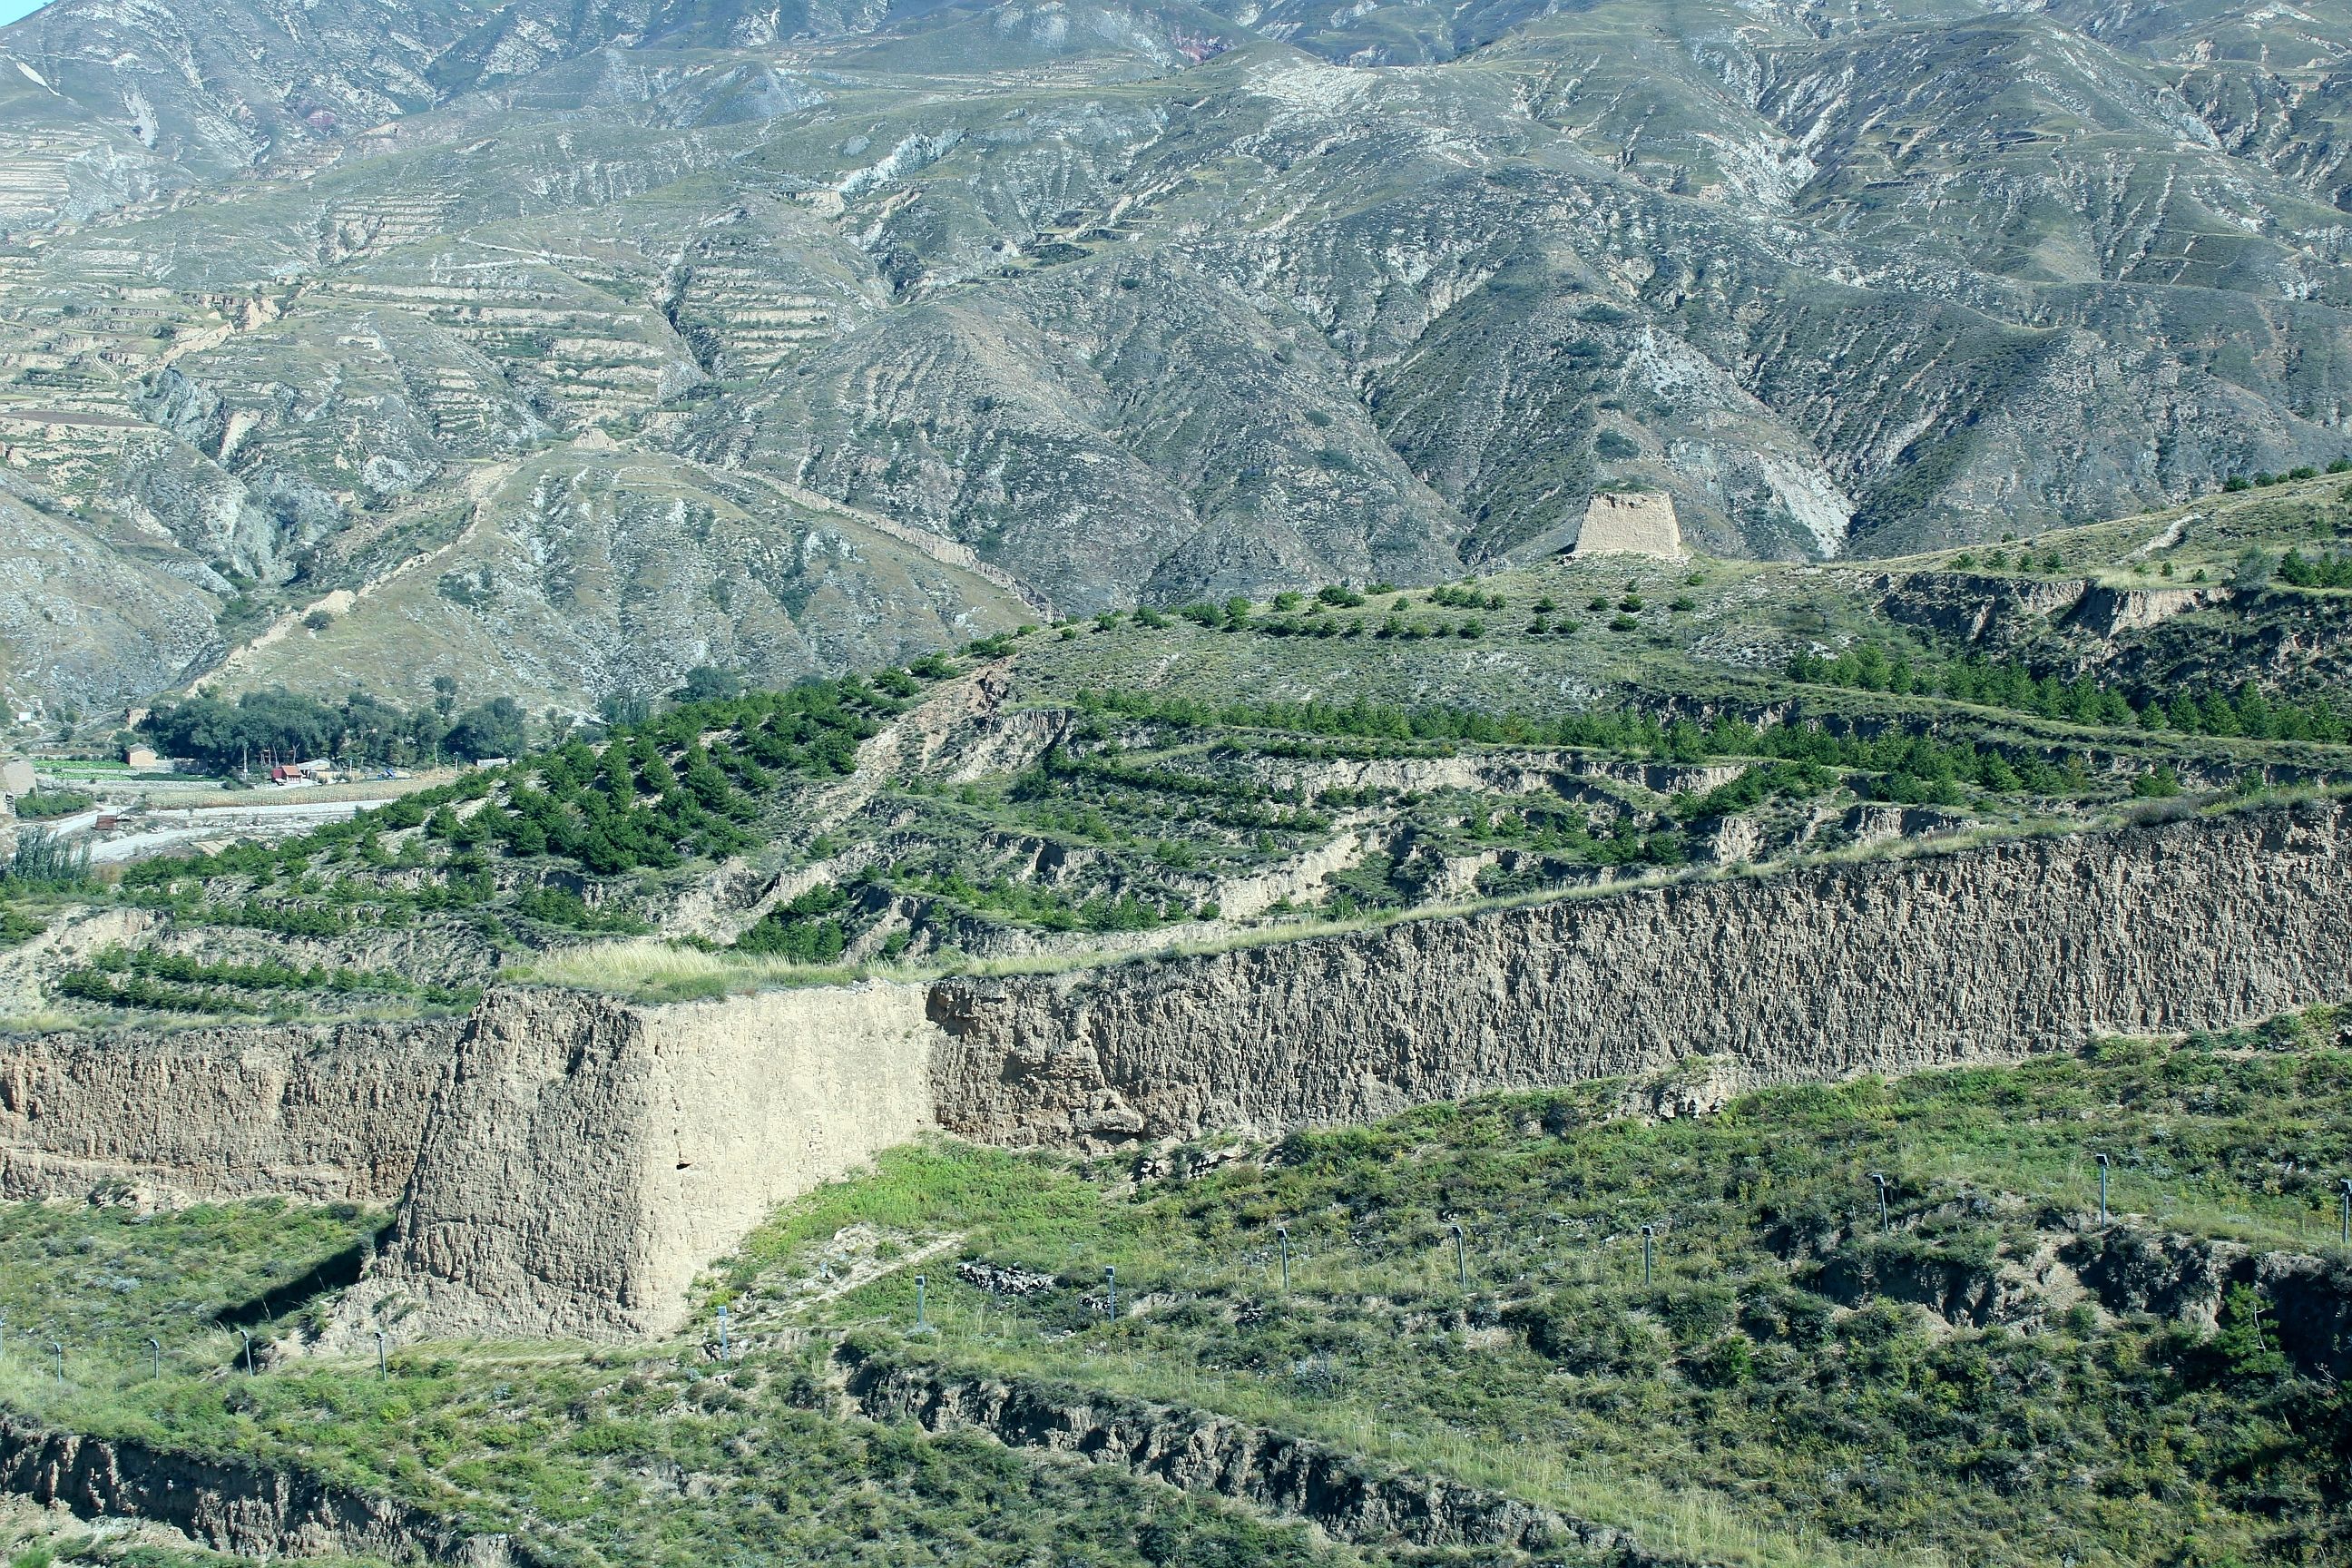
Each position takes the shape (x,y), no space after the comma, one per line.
(565,349)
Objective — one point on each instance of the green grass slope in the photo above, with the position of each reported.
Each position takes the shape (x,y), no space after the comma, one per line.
(1992,1375)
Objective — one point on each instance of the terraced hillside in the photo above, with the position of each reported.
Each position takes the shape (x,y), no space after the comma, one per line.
(919,314)
(1245,769)
(1165,1306)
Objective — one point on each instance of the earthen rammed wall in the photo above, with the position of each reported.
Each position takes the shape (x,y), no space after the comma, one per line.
(1822,972)
(564,1164)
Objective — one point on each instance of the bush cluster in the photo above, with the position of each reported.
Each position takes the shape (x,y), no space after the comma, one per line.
(2300,571)
(42,805)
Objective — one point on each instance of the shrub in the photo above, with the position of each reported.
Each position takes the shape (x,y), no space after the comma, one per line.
(1728,1362)
(563,906)
(804,930)
(41,804)
(1596,1342)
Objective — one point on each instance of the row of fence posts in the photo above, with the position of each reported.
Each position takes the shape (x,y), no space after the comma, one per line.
(1649,1233)
(1879,1179)
(245,1350)
(2343,1220)
(1882,1181)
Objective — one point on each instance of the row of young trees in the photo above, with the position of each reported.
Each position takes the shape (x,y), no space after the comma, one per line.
(2002,683)
(684,784)
(1895,765)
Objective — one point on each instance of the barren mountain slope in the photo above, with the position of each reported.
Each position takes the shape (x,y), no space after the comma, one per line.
(1141,305)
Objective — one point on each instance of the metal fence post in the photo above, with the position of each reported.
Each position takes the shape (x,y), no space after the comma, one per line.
(1111,1294)
(724,1355)
(382,1362)
(1885,1220)
(155,1364)
(248,1351)
(60,1352)
(1461,1257)
(1282,1234)
(2345,1236)
(922,1321)
(1649,1240)
(2101,1159)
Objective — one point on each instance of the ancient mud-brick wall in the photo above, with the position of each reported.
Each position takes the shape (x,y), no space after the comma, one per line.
(1633,523)
(583,1158)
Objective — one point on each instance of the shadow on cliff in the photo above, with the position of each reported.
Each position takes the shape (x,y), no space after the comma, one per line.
(337,1272)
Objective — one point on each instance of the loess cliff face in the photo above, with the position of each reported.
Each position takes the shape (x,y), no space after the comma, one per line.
(564,1164)
(1815,974)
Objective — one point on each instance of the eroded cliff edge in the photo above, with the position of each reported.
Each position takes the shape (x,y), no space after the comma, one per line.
(312,1111)
(565,1163)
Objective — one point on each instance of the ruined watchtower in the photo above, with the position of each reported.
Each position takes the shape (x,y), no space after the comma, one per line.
(1629,522)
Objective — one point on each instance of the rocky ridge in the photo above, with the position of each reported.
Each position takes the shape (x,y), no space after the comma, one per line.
(231,1507)
(1197,1451)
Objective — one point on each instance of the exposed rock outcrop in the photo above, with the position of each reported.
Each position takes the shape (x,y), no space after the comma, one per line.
(1196,1451)
(248,1509)
(2106,610)
(2185,1277)
(1976,607)
(1958,1289)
